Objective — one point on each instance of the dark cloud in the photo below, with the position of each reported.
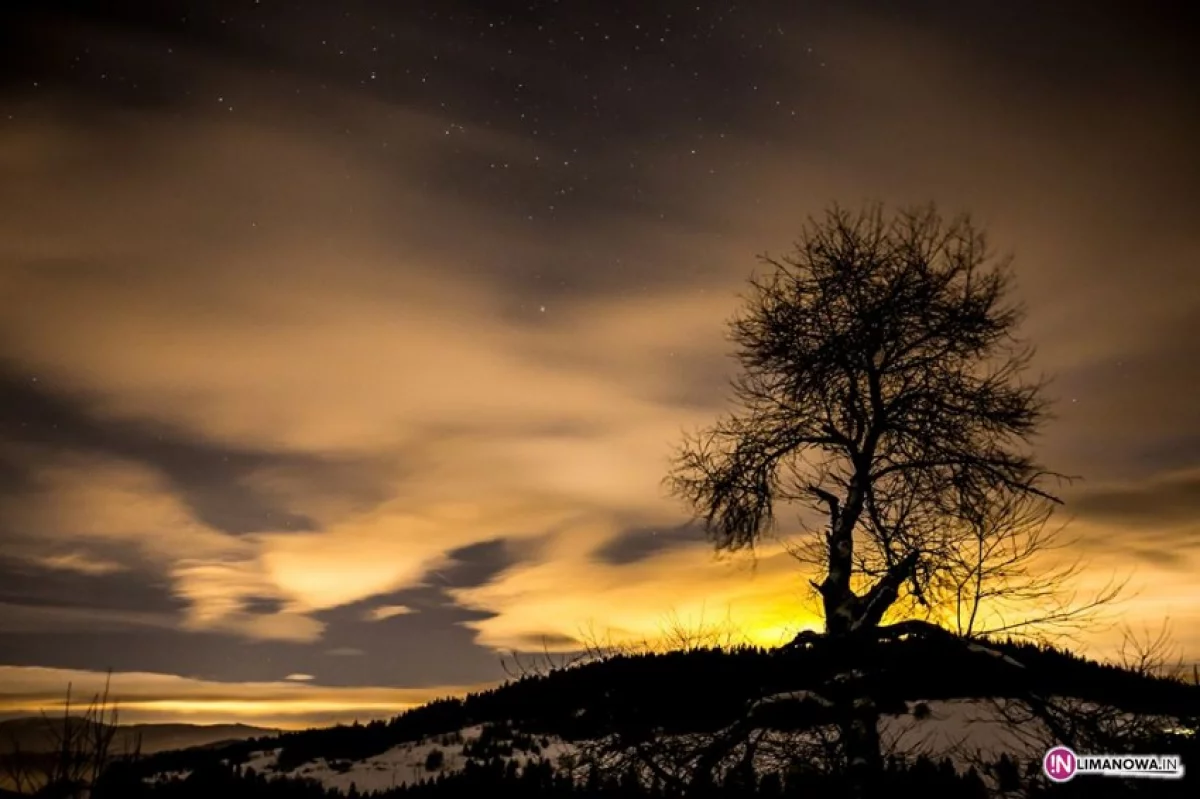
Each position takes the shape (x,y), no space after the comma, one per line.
(1170,558)
(1167,453)
(472,565)
(163,651)
(15,476)
(1164,501)
(548,641)
(262,605)
(25,582)
(638,545)
(405,650)
(211,478)
(409,649)
(1140,395)
(127,619)
(476,564)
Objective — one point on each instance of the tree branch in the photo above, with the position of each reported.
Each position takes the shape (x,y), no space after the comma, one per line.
(883,594)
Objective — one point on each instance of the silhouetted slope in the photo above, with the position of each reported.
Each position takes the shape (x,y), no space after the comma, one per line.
(540,781)
(707,688)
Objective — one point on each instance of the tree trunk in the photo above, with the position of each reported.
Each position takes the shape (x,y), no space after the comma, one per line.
(858,714)
(864,754)
(852,626)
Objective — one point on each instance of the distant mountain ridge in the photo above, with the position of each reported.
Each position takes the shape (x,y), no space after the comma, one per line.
(34,734)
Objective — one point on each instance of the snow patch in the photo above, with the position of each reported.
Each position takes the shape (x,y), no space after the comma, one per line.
(262,761)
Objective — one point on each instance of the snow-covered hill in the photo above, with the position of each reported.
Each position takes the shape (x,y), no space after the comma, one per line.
(411,762)
(659,703)
(965,731)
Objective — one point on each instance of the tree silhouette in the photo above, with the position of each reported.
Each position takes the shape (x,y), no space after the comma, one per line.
(992,577)
(883,387)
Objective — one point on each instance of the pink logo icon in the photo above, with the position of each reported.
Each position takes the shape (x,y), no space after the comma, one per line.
(1059,764)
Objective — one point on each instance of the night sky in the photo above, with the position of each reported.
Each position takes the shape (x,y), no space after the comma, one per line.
(343,344)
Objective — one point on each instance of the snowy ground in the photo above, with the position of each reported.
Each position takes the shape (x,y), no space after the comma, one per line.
(397,766)
(959,729)
(955,728)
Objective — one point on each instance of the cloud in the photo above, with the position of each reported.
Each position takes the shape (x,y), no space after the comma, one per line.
(1164,500)
(291,365)
(384,612)
(215,482)
(518,428)
(550,642)
(1155,520)
(345,652)
(79,562)
(220,595)
(635,545)
(639,601)
(27,618)
(83,499)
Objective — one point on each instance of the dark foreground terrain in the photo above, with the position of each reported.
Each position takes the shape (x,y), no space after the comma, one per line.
(657,696)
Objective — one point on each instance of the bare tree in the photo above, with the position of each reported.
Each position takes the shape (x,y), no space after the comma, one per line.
(882,386)
(1153,654)
(883,389)
(81,748)
(994,578)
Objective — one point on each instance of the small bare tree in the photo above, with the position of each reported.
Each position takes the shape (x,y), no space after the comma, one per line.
(882,387)
(1153,654)
(994,579)
(80,749)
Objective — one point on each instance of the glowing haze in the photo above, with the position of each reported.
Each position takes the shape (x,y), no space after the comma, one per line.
(340,353)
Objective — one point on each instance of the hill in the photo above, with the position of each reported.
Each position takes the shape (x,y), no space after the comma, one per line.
(940,693)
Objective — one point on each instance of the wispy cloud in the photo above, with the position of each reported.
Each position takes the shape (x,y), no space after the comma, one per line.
(1162,500)
(388,611)
(345,652)
(79,562)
